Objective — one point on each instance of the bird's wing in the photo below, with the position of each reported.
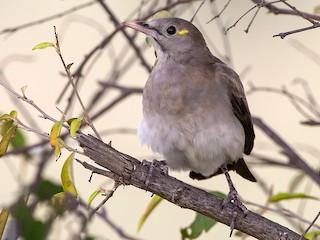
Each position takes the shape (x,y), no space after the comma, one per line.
(238,102)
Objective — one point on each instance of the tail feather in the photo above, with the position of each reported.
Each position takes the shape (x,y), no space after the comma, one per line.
(240,167)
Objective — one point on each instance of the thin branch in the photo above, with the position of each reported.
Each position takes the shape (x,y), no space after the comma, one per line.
(284,34)
(196,12)
(220,13)
(242,16)
(294,157)
(275,10)
(311,224)
(295,100)
(67,70)
(47,19)
(109,194)
(301,14)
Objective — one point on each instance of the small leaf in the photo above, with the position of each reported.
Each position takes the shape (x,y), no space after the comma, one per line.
(4,215)
(93,196)
(200,224)
(286,196)
(66,176)
(75,126)
(151,206)
(69,66)
(55,141)
(13,113)
(4,143)
(43,45)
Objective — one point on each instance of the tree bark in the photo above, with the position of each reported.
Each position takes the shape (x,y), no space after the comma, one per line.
(129,171)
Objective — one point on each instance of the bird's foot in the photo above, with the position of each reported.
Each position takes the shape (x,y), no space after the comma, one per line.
(153,165)
(233,198)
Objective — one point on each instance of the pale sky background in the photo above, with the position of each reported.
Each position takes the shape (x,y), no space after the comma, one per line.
(273,62)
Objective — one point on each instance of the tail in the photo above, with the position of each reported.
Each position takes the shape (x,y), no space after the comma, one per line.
(240,167)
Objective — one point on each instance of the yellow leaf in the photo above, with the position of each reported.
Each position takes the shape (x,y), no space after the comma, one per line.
(4,143)
(75,125)
(151,206)
(55,141)
(162,14)
(3,221)
(93,196)
(13,113)
(66,176)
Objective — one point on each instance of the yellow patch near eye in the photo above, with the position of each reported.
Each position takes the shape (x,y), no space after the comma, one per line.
(183,31)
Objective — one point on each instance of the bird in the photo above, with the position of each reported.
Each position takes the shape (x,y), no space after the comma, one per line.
(195,111)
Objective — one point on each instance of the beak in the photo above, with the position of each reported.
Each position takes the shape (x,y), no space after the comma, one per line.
(140,26)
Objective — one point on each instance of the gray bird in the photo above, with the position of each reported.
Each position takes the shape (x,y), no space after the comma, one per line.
(195,111)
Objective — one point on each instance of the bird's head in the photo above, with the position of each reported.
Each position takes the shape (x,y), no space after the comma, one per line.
(172,37)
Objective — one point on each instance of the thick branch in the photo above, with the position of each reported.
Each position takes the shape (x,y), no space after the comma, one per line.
(130,171)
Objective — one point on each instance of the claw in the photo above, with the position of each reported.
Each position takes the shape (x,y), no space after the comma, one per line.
(233,197)
(152,167)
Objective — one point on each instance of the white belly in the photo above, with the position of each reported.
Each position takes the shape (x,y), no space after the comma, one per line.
(188,145)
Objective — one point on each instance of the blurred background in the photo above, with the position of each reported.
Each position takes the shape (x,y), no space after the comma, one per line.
(266,65)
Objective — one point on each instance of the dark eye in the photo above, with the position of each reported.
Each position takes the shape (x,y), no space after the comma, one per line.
(145,25)
(171,30)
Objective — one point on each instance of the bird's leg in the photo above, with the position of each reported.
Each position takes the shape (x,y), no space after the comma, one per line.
(233,198)
(152,166)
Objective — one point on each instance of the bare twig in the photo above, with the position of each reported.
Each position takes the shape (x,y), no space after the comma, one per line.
(70,77)
(311,224)
(220,13)
(196,12)
(295,100)
(109,194)
(294,157)
(43,20)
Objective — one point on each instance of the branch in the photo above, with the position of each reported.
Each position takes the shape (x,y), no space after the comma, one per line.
(294,157)
(130,171)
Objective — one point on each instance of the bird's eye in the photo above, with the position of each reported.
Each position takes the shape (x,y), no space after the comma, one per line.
(171,30)
(145,25)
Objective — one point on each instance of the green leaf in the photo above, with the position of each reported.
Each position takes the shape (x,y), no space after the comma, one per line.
(93,196)
(286,196)
(4,143)
(47,189)
(155,200)
(19,140)
(13,113)
(312,235)
(200,224)
(4,215)
(43,45)
(66,176)
(75,126)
